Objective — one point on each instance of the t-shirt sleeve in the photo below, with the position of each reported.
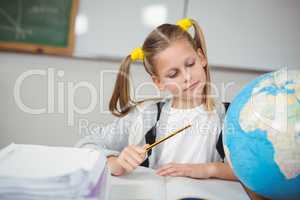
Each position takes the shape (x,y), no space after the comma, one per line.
(112,138)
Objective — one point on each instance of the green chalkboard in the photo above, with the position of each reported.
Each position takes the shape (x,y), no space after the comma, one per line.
(38,25)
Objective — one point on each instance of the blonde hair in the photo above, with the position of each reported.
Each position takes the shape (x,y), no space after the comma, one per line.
(157,41)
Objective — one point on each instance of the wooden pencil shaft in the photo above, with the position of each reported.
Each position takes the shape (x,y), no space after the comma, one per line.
(167,137)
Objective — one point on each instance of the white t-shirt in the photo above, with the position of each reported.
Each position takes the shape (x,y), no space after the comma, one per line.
(196,144)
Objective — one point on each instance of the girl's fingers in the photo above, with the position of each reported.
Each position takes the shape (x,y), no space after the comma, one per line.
(146,146)
(165,167)
(125,165)
(177,173)
(134,154)
(140,150)
(166,172)
(131,157)
(131,160)
(173,169)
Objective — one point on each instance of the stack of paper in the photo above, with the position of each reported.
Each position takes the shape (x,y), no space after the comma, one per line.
(42,172)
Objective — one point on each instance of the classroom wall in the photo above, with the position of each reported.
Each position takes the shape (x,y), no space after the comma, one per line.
(54,100)
(241,34)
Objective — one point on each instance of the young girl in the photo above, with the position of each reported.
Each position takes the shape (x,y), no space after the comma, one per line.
(177,63)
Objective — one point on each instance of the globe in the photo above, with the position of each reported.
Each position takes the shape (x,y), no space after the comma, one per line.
(262,135)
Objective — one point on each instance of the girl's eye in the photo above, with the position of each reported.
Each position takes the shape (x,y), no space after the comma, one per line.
(172,75)
(190,64)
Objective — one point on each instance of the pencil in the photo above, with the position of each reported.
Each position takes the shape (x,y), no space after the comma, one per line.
(167,137)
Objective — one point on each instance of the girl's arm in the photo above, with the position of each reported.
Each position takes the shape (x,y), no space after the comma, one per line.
(219,170)
(112,141)
(109,139)
(210,170)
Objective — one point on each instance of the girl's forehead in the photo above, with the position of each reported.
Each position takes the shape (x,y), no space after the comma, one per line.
(174,56)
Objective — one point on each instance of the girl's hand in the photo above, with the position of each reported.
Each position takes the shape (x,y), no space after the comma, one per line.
(128,160)
(185,170)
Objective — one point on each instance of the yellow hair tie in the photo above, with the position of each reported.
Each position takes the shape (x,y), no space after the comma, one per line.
(137,54)
(185,23)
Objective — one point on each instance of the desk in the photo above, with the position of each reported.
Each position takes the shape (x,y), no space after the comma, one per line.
(143,184)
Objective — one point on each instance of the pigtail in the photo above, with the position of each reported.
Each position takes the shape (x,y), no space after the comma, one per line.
(121,94)
(199,41)
(199,38)
(208,98)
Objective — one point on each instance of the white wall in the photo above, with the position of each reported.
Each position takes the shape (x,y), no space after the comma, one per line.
(105,25)
(55,128)
(250,34)
(56,125)
(242,34)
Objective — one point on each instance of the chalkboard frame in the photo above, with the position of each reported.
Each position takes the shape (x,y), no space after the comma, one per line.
(48,49)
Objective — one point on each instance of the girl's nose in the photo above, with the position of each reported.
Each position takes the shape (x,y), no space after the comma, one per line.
(187,76)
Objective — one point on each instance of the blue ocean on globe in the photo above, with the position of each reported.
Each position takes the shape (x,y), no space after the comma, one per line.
(262,135)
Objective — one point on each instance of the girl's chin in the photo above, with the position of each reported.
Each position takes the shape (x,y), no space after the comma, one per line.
(192,95)
(189,97)
(186,102)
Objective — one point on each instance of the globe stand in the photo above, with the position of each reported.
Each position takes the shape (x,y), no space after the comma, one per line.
(253,195)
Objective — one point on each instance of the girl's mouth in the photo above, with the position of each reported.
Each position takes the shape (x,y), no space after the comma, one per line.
(192,86)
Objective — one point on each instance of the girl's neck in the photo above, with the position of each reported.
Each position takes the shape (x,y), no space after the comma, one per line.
(186,104)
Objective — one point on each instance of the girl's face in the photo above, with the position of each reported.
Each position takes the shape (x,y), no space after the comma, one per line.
(180,70)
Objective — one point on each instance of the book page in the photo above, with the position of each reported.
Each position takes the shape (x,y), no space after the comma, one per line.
(215,189)
(142,184)
(20,161)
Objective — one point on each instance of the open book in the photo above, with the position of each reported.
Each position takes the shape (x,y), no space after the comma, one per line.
(143,184)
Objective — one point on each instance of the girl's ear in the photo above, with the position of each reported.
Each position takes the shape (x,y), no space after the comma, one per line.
(157,82)
(203,60)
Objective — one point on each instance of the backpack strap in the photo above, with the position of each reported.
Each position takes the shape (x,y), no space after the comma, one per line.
(151,134)
(219,145)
